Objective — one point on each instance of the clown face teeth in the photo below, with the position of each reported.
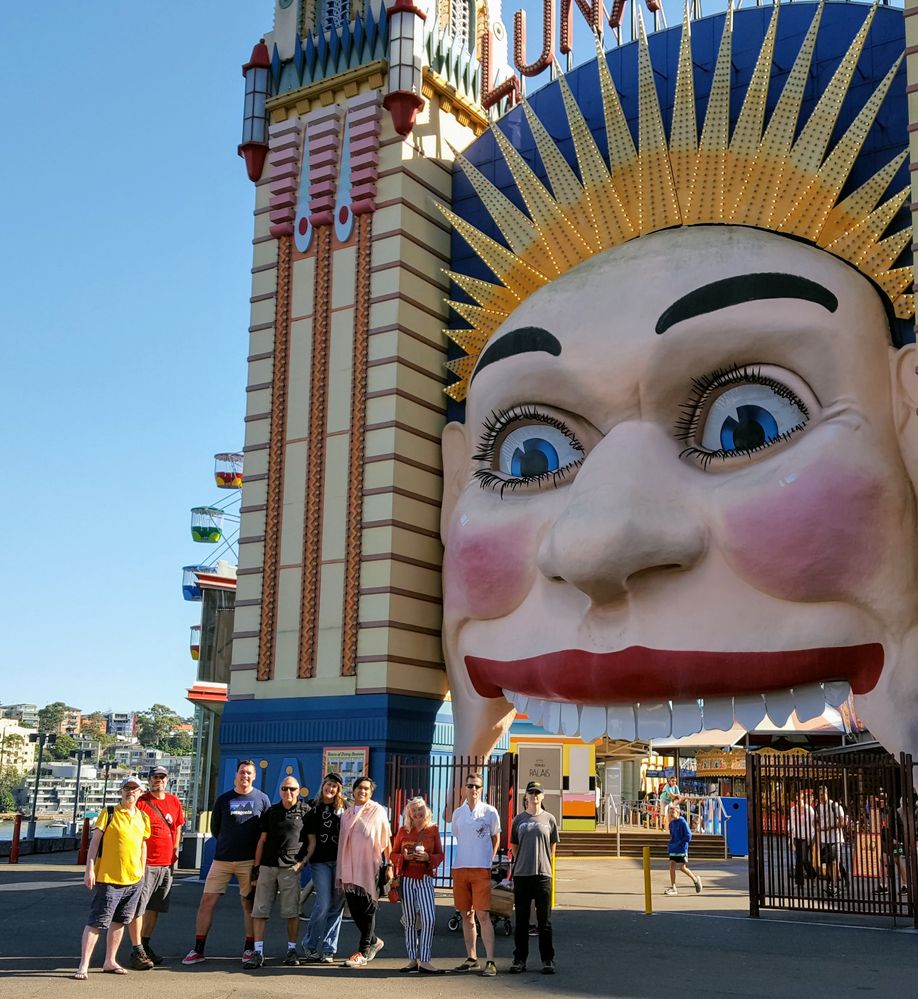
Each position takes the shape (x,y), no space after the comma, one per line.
(570,718)
(654,721)
(686,718)
(718,713)
(519,701)
(749,710)
(620,722)
(836,692)
(809,701)
(551,717)
(592,722)
(780,704)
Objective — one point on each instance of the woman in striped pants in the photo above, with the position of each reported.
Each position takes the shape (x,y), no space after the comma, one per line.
(416,854)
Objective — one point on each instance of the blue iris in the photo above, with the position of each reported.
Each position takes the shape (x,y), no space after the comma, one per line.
(535,457)
(754,427)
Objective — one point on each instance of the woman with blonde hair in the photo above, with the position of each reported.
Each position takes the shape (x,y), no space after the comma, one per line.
(416,854)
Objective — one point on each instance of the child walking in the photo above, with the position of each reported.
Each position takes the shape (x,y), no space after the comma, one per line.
(679,838)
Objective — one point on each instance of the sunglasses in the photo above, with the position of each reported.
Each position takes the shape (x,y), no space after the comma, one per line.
(474,787)
(292,790)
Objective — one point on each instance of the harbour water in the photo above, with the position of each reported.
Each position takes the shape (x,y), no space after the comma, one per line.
(42,828)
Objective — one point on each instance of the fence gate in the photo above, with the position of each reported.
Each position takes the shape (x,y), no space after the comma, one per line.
(440,780)
(832,834)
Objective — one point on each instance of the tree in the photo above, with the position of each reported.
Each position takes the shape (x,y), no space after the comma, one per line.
(94,725)
(180,744)
(63,748)
(10,779)
(51,716)
(154,727)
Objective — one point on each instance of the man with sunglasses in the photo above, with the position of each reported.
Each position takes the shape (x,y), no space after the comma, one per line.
(166,817)
(476,829)
(279,857)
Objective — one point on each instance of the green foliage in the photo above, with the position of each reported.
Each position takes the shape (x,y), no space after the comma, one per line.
(63,748)
(156,727)
(180,744)
(94,725)
(51,716)
(10,779)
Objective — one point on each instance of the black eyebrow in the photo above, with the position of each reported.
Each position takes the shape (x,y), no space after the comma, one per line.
(744,288)
(520,341)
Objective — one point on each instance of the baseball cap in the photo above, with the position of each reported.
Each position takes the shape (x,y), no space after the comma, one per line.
(534,787)
(159,772)
(128,781)
(331,775)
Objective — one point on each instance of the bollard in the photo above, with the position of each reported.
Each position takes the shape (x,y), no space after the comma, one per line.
(84,843)
(648,902)
(14,846)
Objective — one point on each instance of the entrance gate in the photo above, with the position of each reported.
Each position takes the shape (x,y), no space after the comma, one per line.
(847,849)
(440,780)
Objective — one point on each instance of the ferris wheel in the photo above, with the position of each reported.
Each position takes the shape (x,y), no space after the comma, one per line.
(216,524)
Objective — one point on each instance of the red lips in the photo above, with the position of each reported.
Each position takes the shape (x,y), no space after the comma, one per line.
(650,675)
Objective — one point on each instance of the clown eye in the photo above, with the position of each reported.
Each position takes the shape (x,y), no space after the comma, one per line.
(740,411)
(524,447)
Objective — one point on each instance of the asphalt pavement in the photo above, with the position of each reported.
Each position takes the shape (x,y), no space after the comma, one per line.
(692,945)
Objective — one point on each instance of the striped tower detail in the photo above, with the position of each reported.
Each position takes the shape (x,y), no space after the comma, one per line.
(284,144)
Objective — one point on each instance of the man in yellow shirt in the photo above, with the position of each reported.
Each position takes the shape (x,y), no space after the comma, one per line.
(115,878)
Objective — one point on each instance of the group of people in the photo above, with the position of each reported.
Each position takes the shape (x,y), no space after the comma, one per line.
(353,861)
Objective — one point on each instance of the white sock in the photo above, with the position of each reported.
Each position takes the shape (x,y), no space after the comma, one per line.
(291,946)
(259,946)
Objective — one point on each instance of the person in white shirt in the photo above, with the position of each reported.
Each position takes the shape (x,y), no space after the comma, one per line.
(476,829)
(801,831)
(830,818)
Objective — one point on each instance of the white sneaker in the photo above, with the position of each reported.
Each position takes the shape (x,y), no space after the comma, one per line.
(375,948)
(698,885)
(671,891)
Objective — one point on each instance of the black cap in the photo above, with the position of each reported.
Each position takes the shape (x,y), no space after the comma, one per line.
(331,775)
(534,787)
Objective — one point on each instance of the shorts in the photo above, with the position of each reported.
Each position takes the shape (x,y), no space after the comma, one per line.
(828,853)
(113,904)
(154,891)
(272,881)
(679,858)
(472,888)
(218,877)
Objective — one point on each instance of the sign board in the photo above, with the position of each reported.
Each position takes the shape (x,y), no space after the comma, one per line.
(349,761)
(541,763)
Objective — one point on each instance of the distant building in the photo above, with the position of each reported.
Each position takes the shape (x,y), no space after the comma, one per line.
(25,714)
(123,723)
(71,723)
(15,748)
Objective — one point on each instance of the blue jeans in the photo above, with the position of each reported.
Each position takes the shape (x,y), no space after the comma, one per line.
(325,921)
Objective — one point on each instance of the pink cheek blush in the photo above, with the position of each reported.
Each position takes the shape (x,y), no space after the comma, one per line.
(488,570)
(816,536)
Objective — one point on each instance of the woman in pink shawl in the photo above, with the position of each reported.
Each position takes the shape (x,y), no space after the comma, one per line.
(363,844)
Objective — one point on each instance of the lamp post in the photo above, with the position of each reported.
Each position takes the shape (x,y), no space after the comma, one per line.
(43,739)
(80,755)
(107,767)
(254,146)
(406,53)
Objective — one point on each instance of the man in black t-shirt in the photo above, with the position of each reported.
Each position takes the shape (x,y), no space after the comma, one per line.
(235,823)
(279,858)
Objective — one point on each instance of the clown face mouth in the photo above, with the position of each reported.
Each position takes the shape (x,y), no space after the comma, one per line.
(655,693)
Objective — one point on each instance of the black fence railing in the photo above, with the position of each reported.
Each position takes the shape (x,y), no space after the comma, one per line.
(440,780)
(832,834)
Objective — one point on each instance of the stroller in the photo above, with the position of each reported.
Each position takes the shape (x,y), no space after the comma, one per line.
(501,898)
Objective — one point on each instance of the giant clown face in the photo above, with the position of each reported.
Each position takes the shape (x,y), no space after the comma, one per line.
(685,474)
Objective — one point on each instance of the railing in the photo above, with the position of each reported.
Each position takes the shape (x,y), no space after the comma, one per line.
(703,813)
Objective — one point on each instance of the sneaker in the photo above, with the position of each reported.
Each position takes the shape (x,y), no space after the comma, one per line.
(140,961)
(517,968)
(671,891)
(882,890)
(375,948)
(698,886)
(327,959)
(153,956)
(255,959)
(292,959)
(311,956)
(357,961)
(548,967)
(193,957)
(490,969)
(533,930)
(903,890)
(247,954)
(469,964)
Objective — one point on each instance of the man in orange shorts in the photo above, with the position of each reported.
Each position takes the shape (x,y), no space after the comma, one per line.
(476,828)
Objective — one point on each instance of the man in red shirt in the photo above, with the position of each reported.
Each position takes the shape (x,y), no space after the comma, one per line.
(166,820)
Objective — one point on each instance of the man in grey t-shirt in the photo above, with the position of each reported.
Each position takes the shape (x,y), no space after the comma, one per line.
(533,838)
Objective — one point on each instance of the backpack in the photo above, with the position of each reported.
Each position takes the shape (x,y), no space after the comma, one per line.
(111,811)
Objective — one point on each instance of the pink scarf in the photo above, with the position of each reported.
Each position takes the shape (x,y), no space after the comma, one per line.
(363,839)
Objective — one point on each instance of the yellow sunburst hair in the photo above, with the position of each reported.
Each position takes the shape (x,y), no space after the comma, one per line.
(760,176)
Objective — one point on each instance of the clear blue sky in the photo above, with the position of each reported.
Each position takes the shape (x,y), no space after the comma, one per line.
(125,284)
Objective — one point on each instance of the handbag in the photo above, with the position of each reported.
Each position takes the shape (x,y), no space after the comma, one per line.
(395,894)
(382,879)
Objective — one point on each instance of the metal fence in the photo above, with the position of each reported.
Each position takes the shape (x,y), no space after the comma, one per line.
(440,780)
(832,834)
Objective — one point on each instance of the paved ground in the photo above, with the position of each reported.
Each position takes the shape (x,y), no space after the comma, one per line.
(700,945)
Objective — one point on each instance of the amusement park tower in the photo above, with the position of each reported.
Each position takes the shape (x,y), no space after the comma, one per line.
(352,111)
